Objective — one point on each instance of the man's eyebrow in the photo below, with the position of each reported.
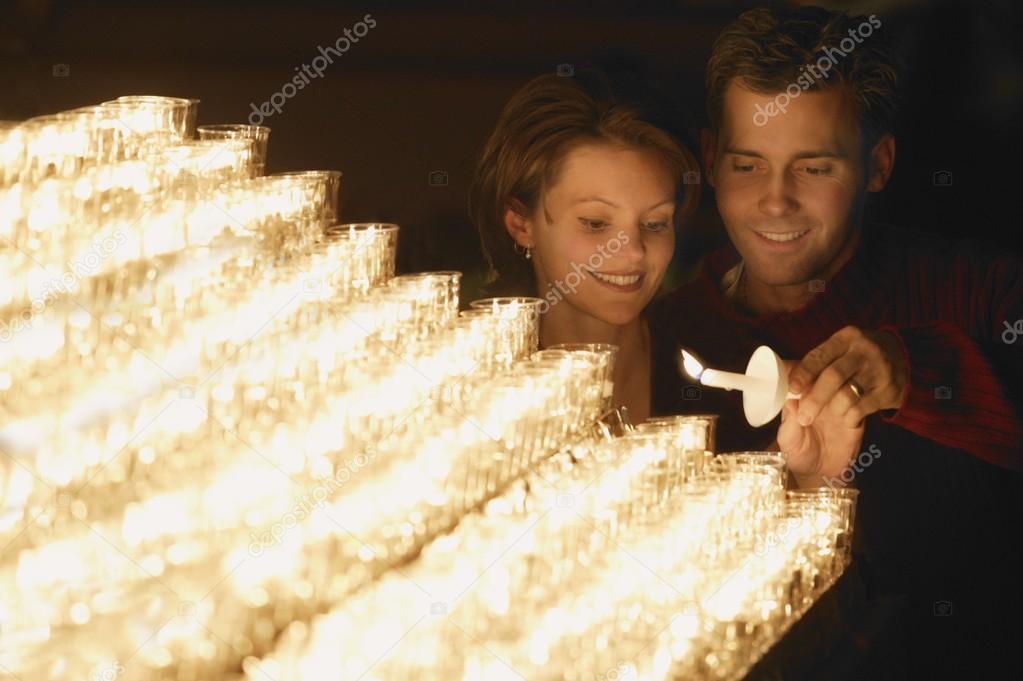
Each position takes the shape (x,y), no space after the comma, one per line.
(743,152)
(811,153)
(820,153)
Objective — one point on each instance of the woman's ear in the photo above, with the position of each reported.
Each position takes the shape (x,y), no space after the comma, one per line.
(518,225)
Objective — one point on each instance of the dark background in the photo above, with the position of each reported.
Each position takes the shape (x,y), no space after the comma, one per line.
(421,92)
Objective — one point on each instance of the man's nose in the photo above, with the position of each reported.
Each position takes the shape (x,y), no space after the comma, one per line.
(779,197)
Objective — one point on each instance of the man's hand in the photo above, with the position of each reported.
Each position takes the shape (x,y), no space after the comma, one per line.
(851,375)
(823,449)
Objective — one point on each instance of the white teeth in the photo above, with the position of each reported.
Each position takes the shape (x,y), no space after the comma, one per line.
(787,236)
(617,280)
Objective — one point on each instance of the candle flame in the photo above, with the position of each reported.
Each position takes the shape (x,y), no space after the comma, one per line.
(691,365)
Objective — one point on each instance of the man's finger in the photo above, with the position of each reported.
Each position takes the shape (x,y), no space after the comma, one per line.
(792,442)
(845,399)
(854,416)
(817,360)
(830,381)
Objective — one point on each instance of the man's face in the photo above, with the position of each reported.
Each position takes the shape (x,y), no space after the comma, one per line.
(790,189)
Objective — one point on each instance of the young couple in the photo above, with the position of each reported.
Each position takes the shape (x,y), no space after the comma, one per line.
(894,336)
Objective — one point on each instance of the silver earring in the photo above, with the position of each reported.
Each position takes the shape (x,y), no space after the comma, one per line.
(529,252)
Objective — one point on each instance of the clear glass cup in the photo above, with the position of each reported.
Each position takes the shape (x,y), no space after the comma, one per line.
(332,188)
(709,419)
(612,353)
(148,120)
(191,112)
(369,235)
(259,134)
(522,316)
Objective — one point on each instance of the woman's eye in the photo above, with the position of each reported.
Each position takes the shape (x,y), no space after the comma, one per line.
(659,226)
(593,225)
(742,167)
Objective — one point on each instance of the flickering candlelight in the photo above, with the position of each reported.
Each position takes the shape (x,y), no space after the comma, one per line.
(764,385)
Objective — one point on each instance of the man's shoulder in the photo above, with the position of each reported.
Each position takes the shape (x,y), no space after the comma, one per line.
(921,244)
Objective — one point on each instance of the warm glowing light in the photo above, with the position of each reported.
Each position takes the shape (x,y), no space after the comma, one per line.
(234,440)
(691,365)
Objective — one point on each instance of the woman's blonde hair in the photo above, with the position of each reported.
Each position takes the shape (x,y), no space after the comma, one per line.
(536,130)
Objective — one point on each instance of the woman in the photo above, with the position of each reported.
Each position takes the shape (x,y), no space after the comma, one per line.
(577,196)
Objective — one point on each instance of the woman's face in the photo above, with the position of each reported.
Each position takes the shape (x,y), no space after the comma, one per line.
(610,236)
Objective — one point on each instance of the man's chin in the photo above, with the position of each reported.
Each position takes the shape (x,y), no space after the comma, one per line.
(775,277)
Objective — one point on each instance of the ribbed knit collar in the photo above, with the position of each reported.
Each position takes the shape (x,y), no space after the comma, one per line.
(861,283)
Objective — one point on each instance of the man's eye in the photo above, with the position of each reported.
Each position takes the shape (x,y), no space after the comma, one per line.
(593,225)
(817,171)
(659,226)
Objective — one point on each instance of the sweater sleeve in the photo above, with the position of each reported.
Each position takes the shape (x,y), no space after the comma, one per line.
(966,371)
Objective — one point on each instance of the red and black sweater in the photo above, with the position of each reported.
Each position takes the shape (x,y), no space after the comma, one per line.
(940,510)
(951,304)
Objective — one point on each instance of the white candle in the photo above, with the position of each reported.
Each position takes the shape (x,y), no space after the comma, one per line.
(730,380)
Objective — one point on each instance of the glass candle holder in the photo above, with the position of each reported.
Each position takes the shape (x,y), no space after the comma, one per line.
(259,134)
(331,189)
(608,380)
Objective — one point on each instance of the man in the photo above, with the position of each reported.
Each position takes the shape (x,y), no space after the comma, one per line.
(897,336)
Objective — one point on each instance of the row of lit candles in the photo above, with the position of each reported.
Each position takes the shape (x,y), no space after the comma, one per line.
(641,551)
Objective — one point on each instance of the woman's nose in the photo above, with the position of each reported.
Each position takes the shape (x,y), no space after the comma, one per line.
(631,248)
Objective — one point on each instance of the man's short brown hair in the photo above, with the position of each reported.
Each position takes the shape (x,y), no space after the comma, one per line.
(771,51)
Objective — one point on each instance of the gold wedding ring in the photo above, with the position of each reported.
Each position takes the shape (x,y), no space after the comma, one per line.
(856,389)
